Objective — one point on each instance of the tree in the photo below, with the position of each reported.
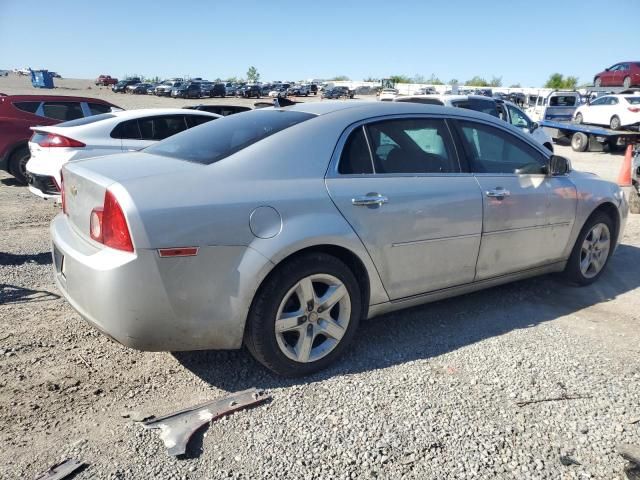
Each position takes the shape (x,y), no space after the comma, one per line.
(252,75)
(233,80)
(557,81)
(477,82)
(417,78)
(453,81)
(400,79)
(515,85)
(495,81)
(433,80)
(341,78)
(371,79)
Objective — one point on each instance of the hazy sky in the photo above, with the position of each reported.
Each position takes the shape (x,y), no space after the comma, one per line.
(522,41)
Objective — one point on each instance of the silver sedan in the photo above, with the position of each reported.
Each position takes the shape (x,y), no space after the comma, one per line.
(283,228)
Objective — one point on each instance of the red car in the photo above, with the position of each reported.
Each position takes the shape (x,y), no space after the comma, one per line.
(19,112)
(106,80)
(623,74)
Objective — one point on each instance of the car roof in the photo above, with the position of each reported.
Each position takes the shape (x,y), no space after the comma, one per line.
(373,108)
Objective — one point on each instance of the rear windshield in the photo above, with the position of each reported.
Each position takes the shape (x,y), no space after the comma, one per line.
(563,101)
(85,120)
(633,100)
(214,141)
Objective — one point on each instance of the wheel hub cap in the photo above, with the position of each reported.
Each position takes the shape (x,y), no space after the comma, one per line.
(595,250)
(312,318)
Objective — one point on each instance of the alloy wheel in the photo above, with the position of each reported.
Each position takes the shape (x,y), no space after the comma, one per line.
(312,318)
(595,250)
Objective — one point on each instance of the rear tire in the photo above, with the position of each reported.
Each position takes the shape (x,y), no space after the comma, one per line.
(18,164)
(615,123)
(597,82)
(626,83)
(600,250)
(579,142)
(279,294)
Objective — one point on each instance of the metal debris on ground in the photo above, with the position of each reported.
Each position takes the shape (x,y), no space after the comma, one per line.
(176,428)
(553,399)
(61,470)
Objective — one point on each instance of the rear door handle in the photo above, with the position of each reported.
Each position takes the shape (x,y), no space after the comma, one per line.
(369,200)
(498,192)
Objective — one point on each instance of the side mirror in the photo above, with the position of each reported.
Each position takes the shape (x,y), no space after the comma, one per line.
(533,127)
(559,165)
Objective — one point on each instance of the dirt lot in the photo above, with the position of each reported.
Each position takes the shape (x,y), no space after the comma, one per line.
(430,392)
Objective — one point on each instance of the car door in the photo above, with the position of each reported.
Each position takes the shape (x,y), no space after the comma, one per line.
(398,183)
(621,72)
(607,77)
(595,111)
(527,215)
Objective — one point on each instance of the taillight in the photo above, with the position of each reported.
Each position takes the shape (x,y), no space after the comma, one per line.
(54,140)
(64,202)
(634,109)
(108,226)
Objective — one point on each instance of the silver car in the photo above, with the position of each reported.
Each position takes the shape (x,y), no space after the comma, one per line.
(283,228)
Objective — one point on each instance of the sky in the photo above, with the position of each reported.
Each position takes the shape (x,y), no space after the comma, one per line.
(521,41)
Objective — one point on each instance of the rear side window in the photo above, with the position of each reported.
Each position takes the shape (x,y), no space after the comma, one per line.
(492,150)
(127,130)
(63,110)
(98,108)
(478,105)
(421,145)
(426,101)
(29,107)
(195,120)
(159,128)
(355,158)
(633,100)
(218,140)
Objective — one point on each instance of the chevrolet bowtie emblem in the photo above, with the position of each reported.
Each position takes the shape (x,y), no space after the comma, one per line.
(74,190)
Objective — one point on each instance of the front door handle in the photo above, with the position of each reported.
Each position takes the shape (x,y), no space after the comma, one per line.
(498,192)
(369,200)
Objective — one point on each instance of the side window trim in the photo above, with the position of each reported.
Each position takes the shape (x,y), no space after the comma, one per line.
(366,138)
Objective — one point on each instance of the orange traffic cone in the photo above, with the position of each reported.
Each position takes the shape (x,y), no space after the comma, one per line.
(624,177)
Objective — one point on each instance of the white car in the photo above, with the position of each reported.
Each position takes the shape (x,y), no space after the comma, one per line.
(388,94)
(507,111)
(99,135)
(614,111)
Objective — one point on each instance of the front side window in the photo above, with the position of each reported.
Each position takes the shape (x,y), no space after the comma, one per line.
(600,101)
(492,150)
(412,146)
(63,110)
(518,117)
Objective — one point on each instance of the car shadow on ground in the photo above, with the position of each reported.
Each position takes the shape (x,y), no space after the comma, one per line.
(15,294)
(434,329)
(11,182)
(12,259)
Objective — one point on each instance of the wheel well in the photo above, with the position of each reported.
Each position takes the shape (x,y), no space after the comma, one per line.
(548,146)
(610,210)
(11,151)
(349,258)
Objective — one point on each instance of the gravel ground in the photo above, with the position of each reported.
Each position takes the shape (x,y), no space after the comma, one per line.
(427,393)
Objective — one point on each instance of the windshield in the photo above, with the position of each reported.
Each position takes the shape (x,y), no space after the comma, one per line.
(214,141)
(563,101)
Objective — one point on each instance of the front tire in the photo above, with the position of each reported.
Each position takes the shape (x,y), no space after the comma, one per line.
(634,200)
(579,118)
(597,82)
(304,316)
(591,251)
(18,164)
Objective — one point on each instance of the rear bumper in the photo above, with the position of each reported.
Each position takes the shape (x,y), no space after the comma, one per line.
(43,186)
(158,304)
